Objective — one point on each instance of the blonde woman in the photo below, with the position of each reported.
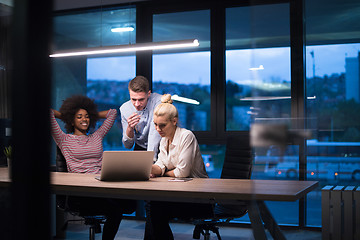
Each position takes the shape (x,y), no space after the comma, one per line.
(179,156)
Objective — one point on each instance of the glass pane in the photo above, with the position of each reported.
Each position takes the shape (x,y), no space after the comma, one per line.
(333,97)
(104,79)
(333,108)
(86,29)
(213,156)
(107,84)
(258,87)
(185,74)
(257,64)
(178,74)
(183,25)
(94,28)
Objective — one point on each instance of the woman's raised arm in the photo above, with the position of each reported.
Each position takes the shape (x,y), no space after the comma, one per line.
(57,114)
(103,114)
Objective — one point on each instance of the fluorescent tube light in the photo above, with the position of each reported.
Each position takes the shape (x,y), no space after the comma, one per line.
(271,98)
(261,67)
(127,48)
(122,29)
(264,98)
(184,99)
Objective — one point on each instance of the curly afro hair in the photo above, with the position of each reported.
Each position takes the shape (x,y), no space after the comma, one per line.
(72,105)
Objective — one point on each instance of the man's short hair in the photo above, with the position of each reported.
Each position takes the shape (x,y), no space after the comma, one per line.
(139,84)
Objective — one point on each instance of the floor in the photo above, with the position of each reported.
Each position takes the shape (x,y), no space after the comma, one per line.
(134,230)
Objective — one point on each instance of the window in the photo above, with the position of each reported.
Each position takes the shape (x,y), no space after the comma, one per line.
(185,74)
(93,28)
(258,88)
(258,83)
(333,107)
(107,84)
(213,156)
(333,104)
(103,79)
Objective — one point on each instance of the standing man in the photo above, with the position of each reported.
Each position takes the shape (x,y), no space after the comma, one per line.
(137,116)
(138,126)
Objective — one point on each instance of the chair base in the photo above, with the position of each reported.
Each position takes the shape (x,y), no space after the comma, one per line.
(94,223)
(205,229)
(95,227)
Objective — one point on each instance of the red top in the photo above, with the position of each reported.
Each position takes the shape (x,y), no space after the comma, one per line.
(83,154)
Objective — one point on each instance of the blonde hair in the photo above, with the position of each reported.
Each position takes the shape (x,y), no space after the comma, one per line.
(166,108)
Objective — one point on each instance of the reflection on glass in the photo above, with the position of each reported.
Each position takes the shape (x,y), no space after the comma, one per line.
(213,156)
(102,79)
(107,84)
(186,76)
(257,64)
(333,157)
(183,25)
(258,86)
(93,28)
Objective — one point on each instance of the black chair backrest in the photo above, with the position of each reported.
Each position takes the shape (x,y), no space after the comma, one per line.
(238,157)
(61,165)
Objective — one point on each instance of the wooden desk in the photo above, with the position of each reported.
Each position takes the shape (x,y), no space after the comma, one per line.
(205,190)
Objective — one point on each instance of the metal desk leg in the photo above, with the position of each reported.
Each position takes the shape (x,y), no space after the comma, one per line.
(256,222)
(270,222)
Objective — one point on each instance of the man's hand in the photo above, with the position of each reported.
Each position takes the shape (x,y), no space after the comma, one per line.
(133,120)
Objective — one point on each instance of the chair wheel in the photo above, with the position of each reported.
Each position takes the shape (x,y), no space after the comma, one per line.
(97,228)
(197,232)
(91,233)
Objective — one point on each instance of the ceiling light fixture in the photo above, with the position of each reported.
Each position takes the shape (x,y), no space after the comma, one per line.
(184,99)
(122,29)
(261,67)
(127,48)
(264,98)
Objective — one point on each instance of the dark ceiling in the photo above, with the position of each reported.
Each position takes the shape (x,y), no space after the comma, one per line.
(327,22)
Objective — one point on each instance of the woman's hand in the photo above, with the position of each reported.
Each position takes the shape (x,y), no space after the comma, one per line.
(57,114)
(169,173)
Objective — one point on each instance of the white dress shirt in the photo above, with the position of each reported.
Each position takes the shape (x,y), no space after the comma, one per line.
(184,155)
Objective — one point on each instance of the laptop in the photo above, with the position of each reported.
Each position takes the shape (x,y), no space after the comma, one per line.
(126,165)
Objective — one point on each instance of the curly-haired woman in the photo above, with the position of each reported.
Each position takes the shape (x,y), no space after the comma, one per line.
(83,154)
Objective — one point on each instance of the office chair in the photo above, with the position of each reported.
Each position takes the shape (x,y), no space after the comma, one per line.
(92,218)
(237,165)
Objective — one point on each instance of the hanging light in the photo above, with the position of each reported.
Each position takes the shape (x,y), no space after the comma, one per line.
(184,99)
(127,48)
(261,67)
(122,29)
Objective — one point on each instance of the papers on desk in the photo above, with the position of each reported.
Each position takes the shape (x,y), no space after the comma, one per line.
(180,179)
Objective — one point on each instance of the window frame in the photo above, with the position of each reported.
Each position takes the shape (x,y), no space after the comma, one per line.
(218,133)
